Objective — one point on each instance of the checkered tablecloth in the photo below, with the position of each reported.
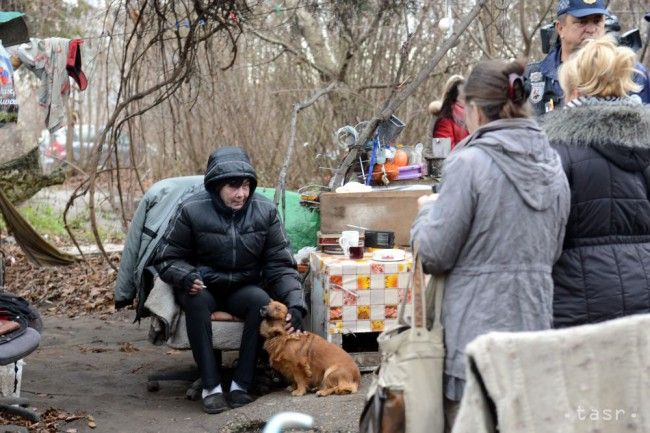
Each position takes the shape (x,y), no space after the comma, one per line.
(357,295)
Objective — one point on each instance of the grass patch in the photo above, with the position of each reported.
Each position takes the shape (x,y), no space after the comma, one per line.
(48,222)
(44,220)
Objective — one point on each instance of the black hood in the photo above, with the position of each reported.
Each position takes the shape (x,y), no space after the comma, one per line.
(619,133)
(225,163)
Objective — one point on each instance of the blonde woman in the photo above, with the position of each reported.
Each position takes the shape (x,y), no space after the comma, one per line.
(603,138)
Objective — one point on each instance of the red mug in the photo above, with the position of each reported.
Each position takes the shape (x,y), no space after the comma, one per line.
(356,253)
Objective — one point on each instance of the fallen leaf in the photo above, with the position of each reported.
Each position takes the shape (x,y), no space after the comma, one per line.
(73,290)
(128,347)
(83,349)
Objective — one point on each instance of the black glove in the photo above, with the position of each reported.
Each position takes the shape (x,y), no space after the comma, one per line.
(188,280)
(296,318)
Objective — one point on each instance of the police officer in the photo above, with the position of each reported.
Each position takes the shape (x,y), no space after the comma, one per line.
(577,20)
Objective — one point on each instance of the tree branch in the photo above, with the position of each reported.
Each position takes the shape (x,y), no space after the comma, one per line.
(396,100)
(279,190)
(293,50)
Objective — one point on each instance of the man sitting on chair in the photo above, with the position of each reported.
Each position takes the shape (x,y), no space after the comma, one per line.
(223,249)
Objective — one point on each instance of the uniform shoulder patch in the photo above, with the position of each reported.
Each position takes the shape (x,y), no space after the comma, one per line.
(536,91)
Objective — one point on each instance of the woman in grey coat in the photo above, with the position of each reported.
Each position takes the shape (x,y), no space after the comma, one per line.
(497,225)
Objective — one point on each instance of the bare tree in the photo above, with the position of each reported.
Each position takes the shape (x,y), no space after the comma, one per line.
(147,35)
(181,78)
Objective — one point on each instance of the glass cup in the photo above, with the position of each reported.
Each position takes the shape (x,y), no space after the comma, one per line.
(356,252)
(349,238)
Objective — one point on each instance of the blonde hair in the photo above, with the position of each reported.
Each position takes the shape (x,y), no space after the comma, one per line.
(599,68)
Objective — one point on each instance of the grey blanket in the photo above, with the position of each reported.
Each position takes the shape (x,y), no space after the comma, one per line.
(591,378)
(168,322)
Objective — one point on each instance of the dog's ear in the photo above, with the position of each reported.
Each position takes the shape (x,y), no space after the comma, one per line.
(272,329)
(276,331)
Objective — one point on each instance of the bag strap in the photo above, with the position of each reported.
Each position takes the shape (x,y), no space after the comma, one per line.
(415,285)
(418,296)
(438,283)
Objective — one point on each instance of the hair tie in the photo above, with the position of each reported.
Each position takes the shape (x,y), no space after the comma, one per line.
(517,88)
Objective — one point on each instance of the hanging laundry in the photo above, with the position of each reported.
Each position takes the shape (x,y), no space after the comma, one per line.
(73,64)
(53,60)
(8,102)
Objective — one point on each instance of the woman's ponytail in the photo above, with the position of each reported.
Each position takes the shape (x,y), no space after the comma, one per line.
(499,89)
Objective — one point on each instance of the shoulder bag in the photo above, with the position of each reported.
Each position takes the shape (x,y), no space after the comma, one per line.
(406,394)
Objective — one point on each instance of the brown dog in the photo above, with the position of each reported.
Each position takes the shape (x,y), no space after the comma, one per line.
(306,360)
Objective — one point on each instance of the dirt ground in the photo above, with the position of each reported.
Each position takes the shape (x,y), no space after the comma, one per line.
(95,370)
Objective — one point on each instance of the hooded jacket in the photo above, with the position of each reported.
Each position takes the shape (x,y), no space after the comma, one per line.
(604,270)
(225,248)
(496,229)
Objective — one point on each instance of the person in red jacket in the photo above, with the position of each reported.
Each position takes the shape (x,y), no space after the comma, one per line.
(450,113)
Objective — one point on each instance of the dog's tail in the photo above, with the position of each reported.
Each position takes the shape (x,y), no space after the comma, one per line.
(346,388)
(336,382)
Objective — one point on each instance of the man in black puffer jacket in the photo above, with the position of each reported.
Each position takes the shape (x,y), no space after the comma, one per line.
(225,247)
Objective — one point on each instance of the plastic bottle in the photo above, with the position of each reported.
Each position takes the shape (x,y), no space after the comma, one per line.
(416,154)
(381,156)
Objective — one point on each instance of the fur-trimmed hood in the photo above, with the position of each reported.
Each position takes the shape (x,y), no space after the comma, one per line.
(621,133)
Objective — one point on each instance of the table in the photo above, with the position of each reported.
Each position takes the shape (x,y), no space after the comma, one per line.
(356,296)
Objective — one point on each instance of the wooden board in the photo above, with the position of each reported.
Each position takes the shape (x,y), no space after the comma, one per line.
(376,210)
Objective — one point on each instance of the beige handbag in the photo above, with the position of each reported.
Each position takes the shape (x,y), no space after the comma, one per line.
(406,394)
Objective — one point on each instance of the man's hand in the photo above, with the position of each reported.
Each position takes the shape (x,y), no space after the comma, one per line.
(197,286)
(294,321)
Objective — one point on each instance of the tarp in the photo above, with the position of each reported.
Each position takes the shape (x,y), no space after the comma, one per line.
(8,16)
(13,28)
(302,224)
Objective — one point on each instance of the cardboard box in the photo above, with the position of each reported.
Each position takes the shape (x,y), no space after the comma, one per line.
(393,210)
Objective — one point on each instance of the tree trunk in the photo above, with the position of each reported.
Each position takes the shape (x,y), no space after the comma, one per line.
(22,177)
